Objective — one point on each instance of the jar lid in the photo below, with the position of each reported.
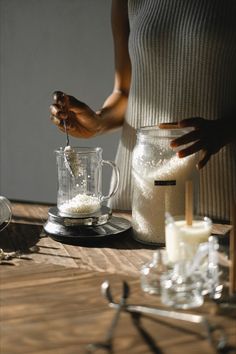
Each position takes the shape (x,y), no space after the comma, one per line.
(171,131)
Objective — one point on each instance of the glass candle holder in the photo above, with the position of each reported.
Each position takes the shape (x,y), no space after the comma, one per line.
(152,271)
(180,289)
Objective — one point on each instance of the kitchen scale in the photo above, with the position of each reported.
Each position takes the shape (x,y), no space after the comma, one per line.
(87,228)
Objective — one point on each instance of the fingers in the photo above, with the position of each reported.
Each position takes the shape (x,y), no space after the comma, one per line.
(192,149)
(67,102)
(206,157)
(200,139)
(171,125)
(55,120)
(185,139)
(58,110)
(57,116)
(195,122)
(59,98)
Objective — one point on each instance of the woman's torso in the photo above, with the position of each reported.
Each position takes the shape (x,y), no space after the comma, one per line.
(183,55)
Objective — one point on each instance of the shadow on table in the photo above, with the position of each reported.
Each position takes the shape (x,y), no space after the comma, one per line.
(23,236)
(20,237)
(122,241)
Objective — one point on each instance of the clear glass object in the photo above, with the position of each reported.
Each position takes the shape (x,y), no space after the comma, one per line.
(159,177)
(5,212)
(180,288)
(80,181)
(152,271)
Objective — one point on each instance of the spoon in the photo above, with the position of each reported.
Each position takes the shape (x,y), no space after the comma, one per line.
(69,157)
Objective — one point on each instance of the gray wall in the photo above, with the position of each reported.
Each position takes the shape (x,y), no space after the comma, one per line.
(48,45)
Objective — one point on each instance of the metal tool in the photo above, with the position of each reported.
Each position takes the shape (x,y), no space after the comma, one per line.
(67,135)
(67,152)
(219,344)
(107,342)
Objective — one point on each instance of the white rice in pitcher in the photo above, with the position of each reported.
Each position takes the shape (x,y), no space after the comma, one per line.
(81,204)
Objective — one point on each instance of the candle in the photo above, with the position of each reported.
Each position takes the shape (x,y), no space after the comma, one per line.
(177,231)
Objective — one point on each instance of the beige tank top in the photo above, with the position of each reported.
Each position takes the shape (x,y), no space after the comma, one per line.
(183,55)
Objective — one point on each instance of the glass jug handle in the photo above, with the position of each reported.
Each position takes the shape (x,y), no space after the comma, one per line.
(117,180)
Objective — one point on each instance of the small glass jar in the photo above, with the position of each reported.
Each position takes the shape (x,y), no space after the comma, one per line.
(180,289)
(159,177)
(152,271)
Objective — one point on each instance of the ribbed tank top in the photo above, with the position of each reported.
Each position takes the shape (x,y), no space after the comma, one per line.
(183,55)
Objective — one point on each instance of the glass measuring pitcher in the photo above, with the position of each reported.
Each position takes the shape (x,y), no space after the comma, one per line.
(80,180)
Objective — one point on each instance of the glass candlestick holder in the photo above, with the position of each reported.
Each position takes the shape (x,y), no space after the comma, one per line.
(180,289)
(152,271)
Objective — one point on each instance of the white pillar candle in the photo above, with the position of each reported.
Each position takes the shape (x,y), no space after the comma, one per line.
(177,231)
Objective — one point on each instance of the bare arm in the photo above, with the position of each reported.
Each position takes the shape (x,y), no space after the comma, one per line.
(113,110)
(81,120)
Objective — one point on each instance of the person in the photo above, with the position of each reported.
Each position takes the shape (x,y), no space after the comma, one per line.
(174,61)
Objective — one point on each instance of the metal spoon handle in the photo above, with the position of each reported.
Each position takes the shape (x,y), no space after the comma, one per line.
(67,135)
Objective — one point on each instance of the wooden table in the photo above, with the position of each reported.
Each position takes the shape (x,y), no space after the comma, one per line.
(50,300)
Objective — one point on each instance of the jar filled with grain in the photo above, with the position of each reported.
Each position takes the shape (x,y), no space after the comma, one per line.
(159,177)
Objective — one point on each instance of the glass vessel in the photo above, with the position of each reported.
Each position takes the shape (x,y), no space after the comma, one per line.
(80,181)
(159,177)
(151,273)
(180,289)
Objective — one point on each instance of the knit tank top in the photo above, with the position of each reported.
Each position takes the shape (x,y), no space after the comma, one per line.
(183,55)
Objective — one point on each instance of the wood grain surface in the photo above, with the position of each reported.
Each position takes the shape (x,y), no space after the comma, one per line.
(50,299)
(54,309)
(122,255)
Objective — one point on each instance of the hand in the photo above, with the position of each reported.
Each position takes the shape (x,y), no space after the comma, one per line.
(208,137)
(81,120)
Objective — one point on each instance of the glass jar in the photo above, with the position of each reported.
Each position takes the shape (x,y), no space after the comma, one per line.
(180,289)
(80,181)
(159,177)
(152,271)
